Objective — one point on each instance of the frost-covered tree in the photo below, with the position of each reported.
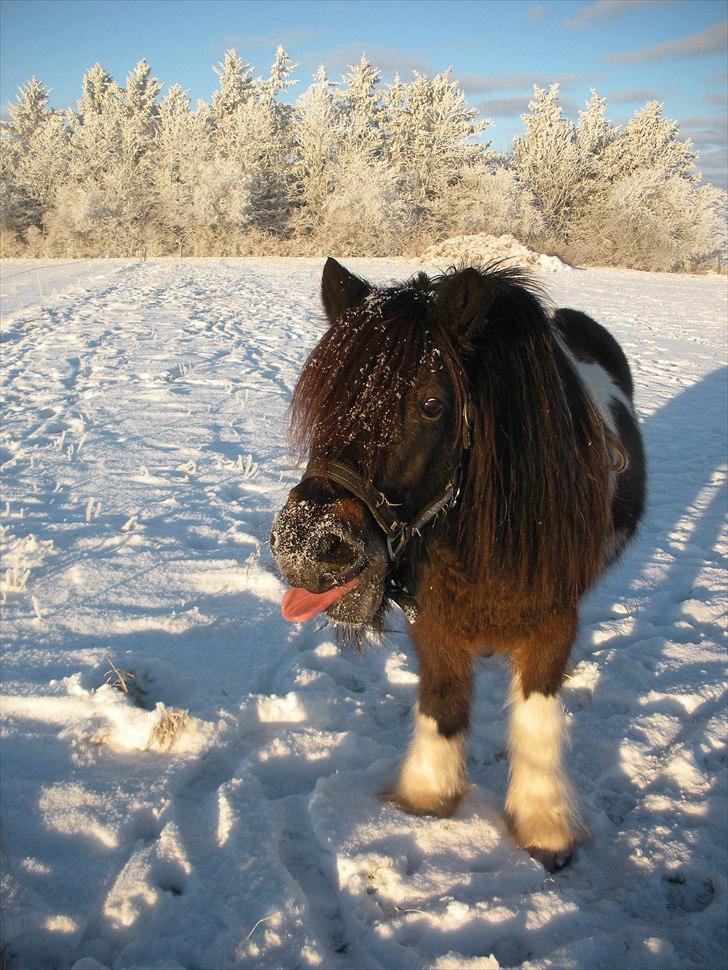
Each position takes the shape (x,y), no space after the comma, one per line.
(547,159)
(34,160)
(650,141)
(280,80)
(429,137)
(30,110)
(140,101)
(250,134)
(96,126)
(358,166)
(177,167)
(490,199)
(96,84)
(235,87)
(107,203)
(593,131)
(365,213)
(593,135)
(314,145)
(360,114)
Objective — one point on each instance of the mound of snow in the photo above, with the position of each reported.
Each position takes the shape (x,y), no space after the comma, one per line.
(481,248)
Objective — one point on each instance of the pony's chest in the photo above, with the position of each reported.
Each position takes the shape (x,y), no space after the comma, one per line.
(480,614)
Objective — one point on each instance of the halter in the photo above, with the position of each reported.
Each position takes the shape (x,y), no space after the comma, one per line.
(397,532)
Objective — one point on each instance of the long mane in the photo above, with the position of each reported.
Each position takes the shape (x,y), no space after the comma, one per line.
(536,502)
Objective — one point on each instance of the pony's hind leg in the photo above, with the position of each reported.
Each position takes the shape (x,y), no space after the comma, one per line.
(432,778)
(541,806)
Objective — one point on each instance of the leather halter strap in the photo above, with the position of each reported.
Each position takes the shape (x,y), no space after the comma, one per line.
(397,532)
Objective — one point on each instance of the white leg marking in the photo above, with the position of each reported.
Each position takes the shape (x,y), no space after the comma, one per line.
(541,804)
(432,778)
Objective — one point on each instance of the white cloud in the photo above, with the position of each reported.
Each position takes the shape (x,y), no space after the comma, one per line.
(487,83)
(512,107)
(712,40)
(607,10)
(631,95)
(504,107)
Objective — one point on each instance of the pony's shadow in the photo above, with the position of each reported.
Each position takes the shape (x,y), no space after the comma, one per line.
(655,594)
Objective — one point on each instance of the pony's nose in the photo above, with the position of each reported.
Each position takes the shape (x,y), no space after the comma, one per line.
(332,549)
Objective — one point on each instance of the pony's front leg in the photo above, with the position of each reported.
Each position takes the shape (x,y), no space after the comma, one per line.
(541,806)
(433,777)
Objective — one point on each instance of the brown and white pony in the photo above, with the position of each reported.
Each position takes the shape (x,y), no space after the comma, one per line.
(478,461)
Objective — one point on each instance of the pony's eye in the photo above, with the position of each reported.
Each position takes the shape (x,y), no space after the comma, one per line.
(432,408)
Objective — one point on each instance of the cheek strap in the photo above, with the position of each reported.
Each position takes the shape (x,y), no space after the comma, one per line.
(397,532)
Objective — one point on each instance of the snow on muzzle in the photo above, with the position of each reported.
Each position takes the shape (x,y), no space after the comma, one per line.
(333,561)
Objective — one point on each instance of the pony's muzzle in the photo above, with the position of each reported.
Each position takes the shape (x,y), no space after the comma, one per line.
(315,551)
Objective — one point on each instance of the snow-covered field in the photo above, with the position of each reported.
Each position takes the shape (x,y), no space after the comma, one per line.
(143,456)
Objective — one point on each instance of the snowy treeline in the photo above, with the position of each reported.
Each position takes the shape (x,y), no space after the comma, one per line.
(354,167)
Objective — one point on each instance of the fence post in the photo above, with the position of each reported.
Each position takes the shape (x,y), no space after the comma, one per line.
(40,289)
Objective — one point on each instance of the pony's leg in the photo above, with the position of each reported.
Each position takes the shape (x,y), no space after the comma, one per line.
(433,777)
(541,806)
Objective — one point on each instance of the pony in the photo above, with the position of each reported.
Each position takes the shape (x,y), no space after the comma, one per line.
(475,459)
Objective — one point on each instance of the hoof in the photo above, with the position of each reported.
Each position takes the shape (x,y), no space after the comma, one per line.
(439,807)
(550,860)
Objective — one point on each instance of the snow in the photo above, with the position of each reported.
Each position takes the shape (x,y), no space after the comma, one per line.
(144,454)
(481,248)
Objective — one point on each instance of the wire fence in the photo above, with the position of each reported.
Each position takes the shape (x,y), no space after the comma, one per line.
(48,268)
(37,269)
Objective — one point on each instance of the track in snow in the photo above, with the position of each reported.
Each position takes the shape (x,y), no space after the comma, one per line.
(143,455)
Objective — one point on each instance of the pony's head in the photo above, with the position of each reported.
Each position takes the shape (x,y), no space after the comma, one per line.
(387,405)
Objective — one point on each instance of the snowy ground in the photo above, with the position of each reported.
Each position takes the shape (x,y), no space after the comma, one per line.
(143,455)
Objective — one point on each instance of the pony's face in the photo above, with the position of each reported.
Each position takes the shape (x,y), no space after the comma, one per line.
(375,394)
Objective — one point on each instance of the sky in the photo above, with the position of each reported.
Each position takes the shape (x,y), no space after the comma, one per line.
(629,50)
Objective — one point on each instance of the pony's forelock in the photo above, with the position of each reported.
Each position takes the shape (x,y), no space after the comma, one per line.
(352,388)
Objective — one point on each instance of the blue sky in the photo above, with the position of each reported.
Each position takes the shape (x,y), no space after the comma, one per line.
(630,50)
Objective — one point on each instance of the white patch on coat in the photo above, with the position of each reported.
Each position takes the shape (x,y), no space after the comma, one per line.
(541,804)
(432,778)
(602,387)
(599,383)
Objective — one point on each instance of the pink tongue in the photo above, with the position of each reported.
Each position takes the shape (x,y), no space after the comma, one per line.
(299,605)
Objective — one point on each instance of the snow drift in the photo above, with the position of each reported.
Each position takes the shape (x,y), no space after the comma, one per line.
(480,248)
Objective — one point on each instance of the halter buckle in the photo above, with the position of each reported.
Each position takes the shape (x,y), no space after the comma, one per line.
(397,540)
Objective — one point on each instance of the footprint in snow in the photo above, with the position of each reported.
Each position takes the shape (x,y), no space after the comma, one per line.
(688,890)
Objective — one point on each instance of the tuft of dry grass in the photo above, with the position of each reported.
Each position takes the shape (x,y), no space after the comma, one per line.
(126,682)
(171,724)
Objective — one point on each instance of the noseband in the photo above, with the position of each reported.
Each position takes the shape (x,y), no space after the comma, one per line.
(398,533)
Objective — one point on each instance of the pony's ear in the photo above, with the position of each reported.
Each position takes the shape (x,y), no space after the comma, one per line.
(341,290)
(463,299)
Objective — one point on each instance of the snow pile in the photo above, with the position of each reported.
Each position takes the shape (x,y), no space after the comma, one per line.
(190,781)
(480,248)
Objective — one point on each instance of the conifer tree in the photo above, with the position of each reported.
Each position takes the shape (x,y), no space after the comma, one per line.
(360,114)
(547,159)
(650,141)
(593,131)
(429,132)
(34,159)
(314,147)
(235,87)
(177,168)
